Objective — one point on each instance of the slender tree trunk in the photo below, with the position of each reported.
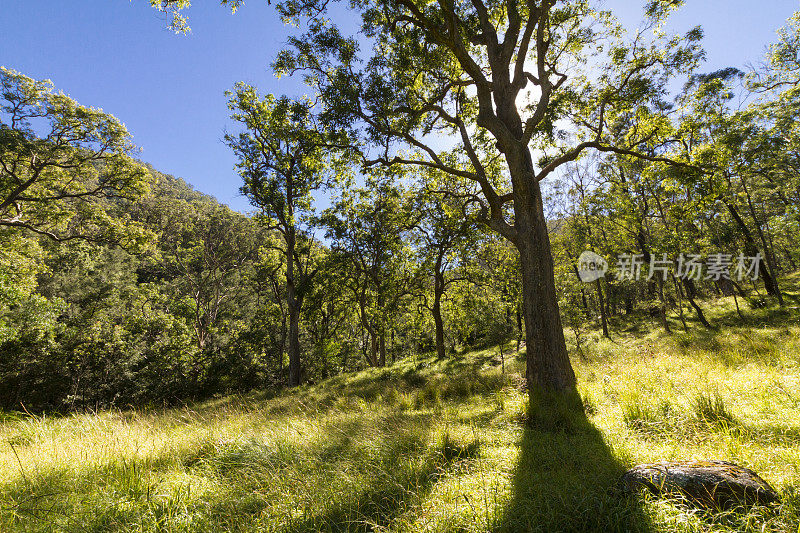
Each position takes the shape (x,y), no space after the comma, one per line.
(439,324)
(283,343)
(679,294)
(751,249)
(436,311)
(738,311)
(392,346)
(382,344)
(548,366)
(293,304)
(373,349)
(662,310)
(611,300)
(691,291)
(769,257)
(584,301)
(739,289)
(294,342)
(602,305)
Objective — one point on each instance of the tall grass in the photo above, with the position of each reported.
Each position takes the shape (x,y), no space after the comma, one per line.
(429,445)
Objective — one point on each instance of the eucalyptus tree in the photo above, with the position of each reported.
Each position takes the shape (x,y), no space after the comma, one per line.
(529,86)
(368,229)
(283,158)
(774,155)
(585,217)
(728,144)
(502,81)
(779,109)
(443,237)
(64,167)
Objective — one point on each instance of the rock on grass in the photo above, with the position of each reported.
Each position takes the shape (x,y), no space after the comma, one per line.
(707,483)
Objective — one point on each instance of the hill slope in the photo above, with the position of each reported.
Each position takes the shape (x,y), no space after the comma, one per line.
(430,445)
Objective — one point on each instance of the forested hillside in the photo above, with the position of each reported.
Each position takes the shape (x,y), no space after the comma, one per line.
(123,286)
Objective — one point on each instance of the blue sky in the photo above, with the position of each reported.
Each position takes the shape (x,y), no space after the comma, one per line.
(169,89)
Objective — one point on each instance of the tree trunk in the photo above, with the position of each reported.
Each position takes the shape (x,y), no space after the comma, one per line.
(679,295)
(436,311)
(662,309)
(584,301)
(751,249)
(602,305)
(294,312)
(611,299)
(283,343)
(769,256)
(548,366)
(691,291)
(294,343)
(373,349)
(392,346)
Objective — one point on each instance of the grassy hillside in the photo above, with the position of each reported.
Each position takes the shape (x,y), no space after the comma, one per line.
(431,445)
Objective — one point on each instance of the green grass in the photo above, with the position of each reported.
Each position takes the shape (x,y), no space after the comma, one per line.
(433,445)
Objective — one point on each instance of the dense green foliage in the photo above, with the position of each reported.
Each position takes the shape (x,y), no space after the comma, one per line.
(203,309)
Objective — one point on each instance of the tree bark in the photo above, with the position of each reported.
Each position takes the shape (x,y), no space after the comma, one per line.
(548,366)
(602,305)
(294,312)
(436,311)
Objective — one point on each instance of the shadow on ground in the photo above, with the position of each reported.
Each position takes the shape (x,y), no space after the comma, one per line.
(566,480)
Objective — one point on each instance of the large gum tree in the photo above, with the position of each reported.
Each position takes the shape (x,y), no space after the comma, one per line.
(499,94)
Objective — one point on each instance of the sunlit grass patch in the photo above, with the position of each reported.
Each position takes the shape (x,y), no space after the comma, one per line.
(431,445)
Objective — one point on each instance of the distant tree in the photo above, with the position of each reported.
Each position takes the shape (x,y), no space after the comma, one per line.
(735,150)
(63,166)
(368,229)
(443,235)
(283,158)
(209,254)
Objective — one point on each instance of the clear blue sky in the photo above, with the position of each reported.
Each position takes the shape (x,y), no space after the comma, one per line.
(168,89)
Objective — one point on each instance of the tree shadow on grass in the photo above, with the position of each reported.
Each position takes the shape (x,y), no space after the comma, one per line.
(567,479)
